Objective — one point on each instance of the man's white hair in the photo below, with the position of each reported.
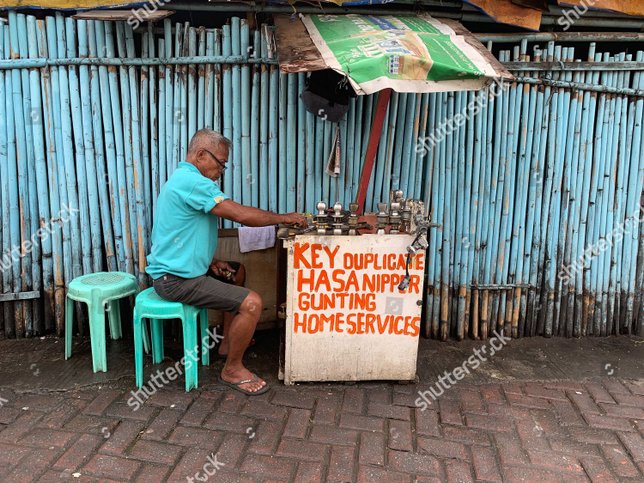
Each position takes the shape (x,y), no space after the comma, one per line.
(204,138)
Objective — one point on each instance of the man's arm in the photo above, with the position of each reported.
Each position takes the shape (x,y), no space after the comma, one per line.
(249,216)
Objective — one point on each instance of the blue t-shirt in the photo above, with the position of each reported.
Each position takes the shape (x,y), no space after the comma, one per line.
(184,235)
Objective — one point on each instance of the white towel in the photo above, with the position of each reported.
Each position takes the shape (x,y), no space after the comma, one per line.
(256,238)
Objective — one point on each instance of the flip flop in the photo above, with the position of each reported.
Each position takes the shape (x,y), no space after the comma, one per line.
(235,385)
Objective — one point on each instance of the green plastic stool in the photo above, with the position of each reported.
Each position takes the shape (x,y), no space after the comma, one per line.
(100,291)
(149,305)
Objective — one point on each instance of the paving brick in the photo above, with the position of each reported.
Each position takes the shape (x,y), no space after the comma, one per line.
(327,409)
(547,421)
(304,450)
(341,464)
(37,462)
(492,394)
(39,402)
(470,400)
(192,463)
(388,411)
(458,472)
(85,423)
(152,473)
(584,402)
(20,426)
(293,399)
(528,474)
(466,435)
(198,437)
(427,422)
(232,402)
(593,436)
(162,425)
(489,423)
(596,469)
(636,387)
(443,449)
(380,395)
(45,438)
(510,450)
(554,461)
(599,393)
(268,466)
(485,465)
(229,422)
(154,452)
(609,422)
(111,467)
(400,436)
(101,402)
(333,435)
(297,423)
(57,418)
(527,401)
(535,389)
(10,453)
(8,415)
(122,411)
(564,385)
(264,437)
(361,423)
(567,415)
(372,448)
(634,443)
(371,474)
(407,400)
(232,448)
(199,411)
(309,472)
(257,407)
(449,412)
(168,398)
(577,449)
(531,435)
(629,399)
(353,400)
(620,410)
(78,452)
(614,387)
(123,436)
(407,462)
(621,464)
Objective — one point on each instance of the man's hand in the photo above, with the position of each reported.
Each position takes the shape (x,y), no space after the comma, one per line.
(221,268)
(294,219)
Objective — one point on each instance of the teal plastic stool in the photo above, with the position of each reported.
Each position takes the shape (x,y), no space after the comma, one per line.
(100,291)
(149,305)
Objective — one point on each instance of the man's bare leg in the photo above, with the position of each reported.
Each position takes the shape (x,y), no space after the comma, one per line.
(240,333)
(240,280)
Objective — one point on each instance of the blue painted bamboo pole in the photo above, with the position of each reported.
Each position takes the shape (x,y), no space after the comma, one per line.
(227,109)
(202,103)
(282,160)
(157,113)
(168,74)
(273,138)
(247,175)
(238,124)
(255,140)
(300,160)
(263,181)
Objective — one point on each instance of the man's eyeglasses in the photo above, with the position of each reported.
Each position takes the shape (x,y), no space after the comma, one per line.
(223,165)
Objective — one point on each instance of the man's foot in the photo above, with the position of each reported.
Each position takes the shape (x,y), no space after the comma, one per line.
(244,381)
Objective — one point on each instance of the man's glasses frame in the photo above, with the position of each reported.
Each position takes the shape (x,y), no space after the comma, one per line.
(223,165)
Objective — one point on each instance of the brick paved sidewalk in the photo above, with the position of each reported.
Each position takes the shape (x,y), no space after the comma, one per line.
(552,431)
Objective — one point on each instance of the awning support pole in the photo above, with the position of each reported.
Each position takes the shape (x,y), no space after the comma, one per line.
(372,147)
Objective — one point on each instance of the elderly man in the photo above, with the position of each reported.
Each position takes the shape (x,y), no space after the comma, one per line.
(184,240)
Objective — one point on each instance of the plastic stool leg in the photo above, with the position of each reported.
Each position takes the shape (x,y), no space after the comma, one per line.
(69,324)
(146,338)
(190,349)
(156,326)
(97,335)
(205,337)
(114,315)
(138,353)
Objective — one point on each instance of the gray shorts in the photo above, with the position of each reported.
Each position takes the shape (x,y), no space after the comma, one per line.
(203,292)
